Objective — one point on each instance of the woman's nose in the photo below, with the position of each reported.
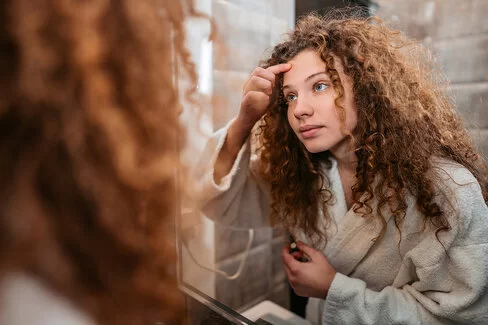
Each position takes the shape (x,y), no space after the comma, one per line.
(302,108)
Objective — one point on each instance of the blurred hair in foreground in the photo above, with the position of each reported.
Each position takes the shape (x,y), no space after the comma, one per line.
(89,127)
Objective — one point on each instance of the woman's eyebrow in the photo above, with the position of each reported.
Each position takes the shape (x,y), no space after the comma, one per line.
(308,78)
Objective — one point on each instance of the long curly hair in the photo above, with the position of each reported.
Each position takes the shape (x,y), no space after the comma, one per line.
(406,117)
(89,131)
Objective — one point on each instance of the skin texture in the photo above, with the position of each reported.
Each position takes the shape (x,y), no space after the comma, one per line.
(311,99)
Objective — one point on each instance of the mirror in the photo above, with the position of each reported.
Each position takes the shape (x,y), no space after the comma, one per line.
(231,267)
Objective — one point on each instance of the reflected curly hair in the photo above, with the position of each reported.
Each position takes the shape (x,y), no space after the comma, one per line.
(89,127)
(405,118)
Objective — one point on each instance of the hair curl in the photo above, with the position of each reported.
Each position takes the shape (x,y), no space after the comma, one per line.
(89,126)
(405,118)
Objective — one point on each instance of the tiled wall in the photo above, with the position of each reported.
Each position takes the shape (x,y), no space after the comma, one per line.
(457,32)
(248,28)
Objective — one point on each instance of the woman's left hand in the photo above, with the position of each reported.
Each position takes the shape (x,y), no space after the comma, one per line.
(312,278)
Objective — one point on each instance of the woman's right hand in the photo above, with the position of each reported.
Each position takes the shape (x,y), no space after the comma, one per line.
(258,93)
(256,98)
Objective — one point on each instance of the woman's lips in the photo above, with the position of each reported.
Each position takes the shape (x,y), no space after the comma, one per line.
(309,131)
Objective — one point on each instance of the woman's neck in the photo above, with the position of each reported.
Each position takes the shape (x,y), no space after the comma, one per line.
(345,157)
(346,165)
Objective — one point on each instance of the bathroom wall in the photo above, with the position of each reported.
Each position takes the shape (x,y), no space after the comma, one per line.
(457,32)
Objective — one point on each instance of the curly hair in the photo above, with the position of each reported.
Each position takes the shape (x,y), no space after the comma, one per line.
(406,117)
(89,127)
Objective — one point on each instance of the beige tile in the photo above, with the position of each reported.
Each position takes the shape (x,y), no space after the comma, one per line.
(460,66)
(454,18)
(281,295)
(252,284)
(230,242)
(277,269)
(472,104)
(480,137)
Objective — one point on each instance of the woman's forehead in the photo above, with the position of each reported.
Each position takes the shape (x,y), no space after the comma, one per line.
(304,64)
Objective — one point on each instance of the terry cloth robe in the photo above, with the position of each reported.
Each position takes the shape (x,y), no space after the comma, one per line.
(25,300)
(421,280)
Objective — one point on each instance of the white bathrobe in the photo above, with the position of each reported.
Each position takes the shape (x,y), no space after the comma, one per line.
(420,281)
(25,300)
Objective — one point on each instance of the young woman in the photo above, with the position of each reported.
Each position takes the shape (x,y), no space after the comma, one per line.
(359,152)
(88,123)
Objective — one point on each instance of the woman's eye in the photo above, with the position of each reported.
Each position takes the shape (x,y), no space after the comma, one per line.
(290,98)
(320,87)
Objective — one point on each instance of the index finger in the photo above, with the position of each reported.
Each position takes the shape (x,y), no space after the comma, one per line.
(288,260)
(279,68)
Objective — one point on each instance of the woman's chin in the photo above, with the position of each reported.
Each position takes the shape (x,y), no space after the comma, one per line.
(315,149)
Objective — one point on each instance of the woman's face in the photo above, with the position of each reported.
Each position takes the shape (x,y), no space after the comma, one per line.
(312,112)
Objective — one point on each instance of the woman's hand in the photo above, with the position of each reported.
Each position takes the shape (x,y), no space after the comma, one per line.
(257,93)
(312,278)
(256,98)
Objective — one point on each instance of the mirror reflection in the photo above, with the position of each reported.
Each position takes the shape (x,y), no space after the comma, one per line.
(332,180)
(234,263)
